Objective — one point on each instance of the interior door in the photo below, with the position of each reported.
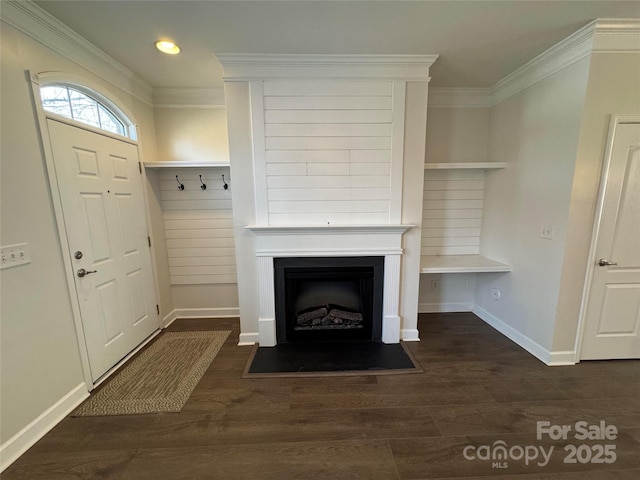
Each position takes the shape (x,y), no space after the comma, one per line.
(101,194)
(612,322)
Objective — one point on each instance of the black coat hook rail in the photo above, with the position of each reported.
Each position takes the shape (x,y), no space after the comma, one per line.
(180,185)
(224,184)
(204,185)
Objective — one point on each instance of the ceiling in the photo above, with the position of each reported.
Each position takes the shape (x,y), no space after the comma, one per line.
(479,42)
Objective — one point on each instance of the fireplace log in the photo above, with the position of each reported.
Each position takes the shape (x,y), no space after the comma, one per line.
(307,317)
(353,316)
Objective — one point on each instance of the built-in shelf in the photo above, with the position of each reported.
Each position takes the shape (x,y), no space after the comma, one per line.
(461,264)
(465,165)
(185,164)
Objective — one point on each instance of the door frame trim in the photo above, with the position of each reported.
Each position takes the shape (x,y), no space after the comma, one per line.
(42,116)
(616,120)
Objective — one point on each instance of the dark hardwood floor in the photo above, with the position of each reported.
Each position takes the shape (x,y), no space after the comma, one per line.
(478,388)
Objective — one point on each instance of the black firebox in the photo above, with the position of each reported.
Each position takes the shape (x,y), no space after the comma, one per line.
(328,298)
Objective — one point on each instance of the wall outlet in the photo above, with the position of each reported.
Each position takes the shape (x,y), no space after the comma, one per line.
(546,232)
(435,284)
(14,255)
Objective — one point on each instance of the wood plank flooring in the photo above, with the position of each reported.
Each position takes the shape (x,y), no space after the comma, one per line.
(477,388)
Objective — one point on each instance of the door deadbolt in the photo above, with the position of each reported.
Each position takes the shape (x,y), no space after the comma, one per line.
(77,255)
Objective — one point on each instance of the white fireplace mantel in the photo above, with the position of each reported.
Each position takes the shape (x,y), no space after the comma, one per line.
(328,241)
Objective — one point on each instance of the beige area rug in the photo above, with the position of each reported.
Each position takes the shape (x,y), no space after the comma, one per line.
(160,379)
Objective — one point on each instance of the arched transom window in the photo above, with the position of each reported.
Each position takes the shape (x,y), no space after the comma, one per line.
(80,106)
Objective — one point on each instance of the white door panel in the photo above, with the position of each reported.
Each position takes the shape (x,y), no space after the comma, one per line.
(101,194)
(612,322)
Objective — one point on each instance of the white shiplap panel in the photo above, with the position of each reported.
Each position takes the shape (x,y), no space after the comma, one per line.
(328,143)
(452,204)
(200,252)
(327,103)
(450,232)
(200,243)
(472,250)
(328,218)
(327,116)
(329,194)
(370,169)
(453,185)
(370,156)
(212,194)
(200,233)
(453,223)
(202,279)
(286,168)
(329,88)
(198,215)
(451,241)
(429,214)
(328,169)
(308,156)
(196,223)
(196,205)
(198,261)
(328,130)
(452,212)
(198,226)
(328,181)
(453,195)
(344,206)
(203,270)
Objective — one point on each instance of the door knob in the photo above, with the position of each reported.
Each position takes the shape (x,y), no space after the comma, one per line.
(603,262)
(82,272)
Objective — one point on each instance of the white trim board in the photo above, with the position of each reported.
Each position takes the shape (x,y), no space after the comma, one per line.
(243,67)
(176,313)
(18,444)
(548,357)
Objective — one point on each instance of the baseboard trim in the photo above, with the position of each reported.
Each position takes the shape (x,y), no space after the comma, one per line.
(557,359)
(445,307)
(410,335)
(224,312)
(531,346)
(13,448)
(248,339)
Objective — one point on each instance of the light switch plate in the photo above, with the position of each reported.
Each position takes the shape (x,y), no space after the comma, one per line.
(14,255)
(546,232)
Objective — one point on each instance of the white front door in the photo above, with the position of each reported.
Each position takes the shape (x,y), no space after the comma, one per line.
(612,322)
(104,215)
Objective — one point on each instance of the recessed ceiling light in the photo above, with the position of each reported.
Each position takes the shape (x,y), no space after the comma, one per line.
(166,46)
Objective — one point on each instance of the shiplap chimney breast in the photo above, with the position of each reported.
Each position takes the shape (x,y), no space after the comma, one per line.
(326,140)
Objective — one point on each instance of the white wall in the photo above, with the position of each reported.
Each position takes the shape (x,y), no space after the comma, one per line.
(536,133)
(614,88)
(39,354)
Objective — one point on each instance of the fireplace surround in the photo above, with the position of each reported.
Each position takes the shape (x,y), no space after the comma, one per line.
(327,154)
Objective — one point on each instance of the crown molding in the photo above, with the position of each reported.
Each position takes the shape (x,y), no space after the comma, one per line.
(188,97)
(563,54)
(242,67)
(440,97)
(38,24)
(617,35)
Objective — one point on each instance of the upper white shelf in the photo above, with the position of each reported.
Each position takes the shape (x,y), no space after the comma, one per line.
(184,164)
(461,264)
(465,165)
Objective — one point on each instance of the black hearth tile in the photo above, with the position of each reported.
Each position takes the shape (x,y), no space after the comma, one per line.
(331,357)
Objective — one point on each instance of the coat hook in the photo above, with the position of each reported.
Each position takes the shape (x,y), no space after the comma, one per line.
(204,185)
(225,186)
(180,185)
